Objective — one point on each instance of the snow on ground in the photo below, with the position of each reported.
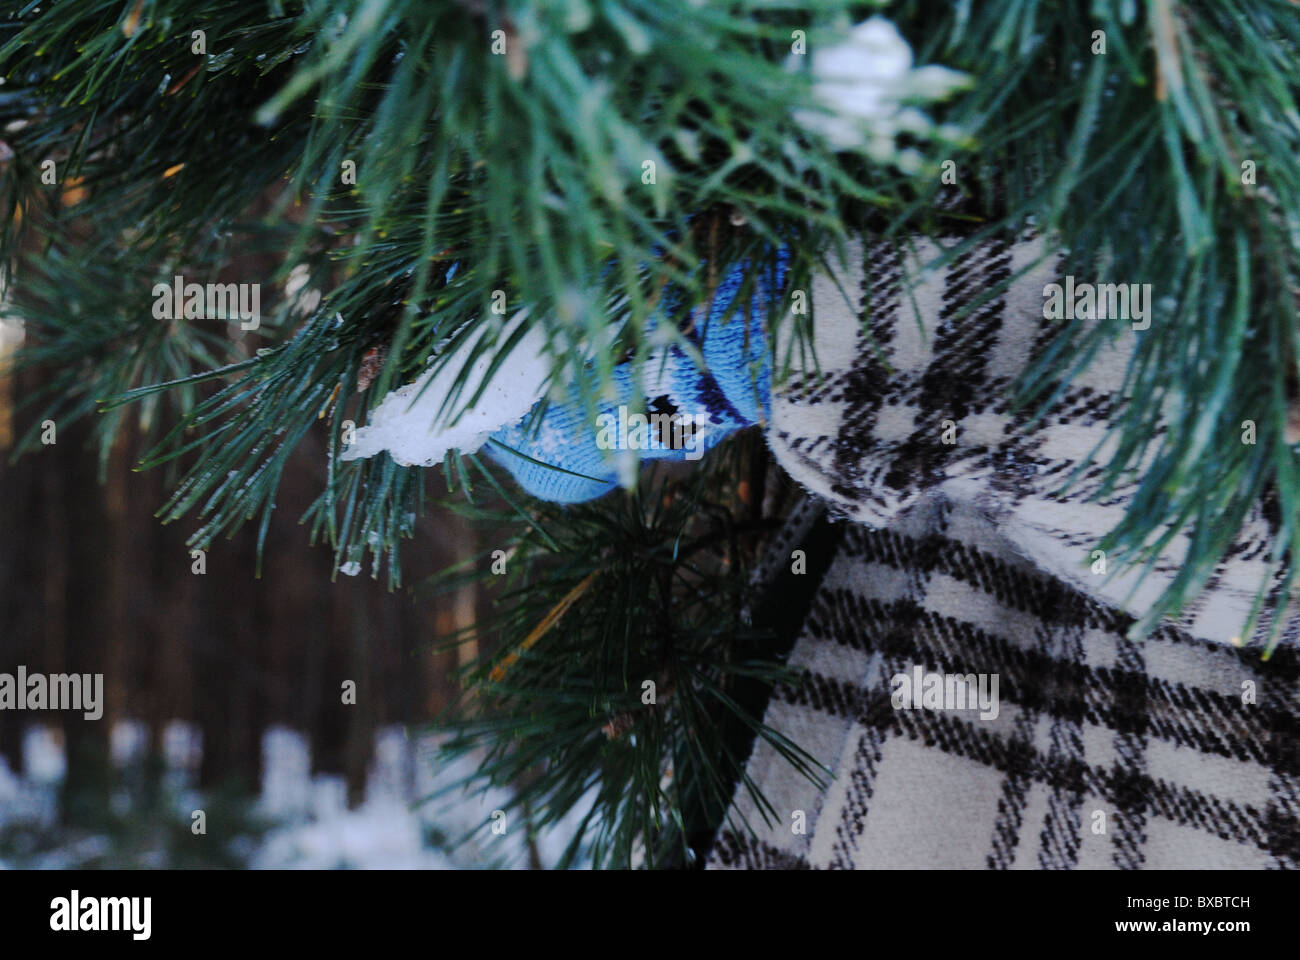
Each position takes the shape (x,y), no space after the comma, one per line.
(312,828)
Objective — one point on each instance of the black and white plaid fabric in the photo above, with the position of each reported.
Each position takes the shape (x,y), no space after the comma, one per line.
(1178,750)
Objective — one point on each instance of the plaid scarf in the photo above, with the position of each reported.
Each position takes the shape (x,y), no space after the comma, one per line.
(1180,750)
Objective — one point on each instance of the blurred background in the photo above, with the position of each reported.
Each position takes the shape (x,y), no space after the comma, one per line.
(223,690)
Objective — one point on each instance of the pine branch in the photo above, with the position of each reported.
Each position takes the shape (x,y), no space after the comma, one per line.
(589,164)
(513,162)
(635,646)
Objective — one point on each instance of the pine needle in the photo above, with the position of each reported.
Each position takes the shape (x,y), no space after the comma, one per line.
(548,621)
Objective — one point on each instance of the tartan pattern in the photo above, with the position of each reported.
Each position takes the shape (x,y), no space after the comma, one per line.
(1155,734)
(866,436)
(961,561)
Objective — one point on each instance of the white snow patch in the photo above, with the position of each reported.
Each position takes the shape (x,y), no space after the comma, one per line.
(864,82)
(314,829)
(412,424)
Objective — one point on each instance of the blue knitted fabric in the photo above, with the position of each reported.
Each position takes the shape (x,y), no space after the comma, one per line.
(566,459)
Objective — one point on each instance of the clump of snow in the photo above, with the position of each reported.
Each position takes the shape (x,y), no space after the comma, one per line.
(864,83)
(413,423)
(182,745)
(128,741)
(43,755)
